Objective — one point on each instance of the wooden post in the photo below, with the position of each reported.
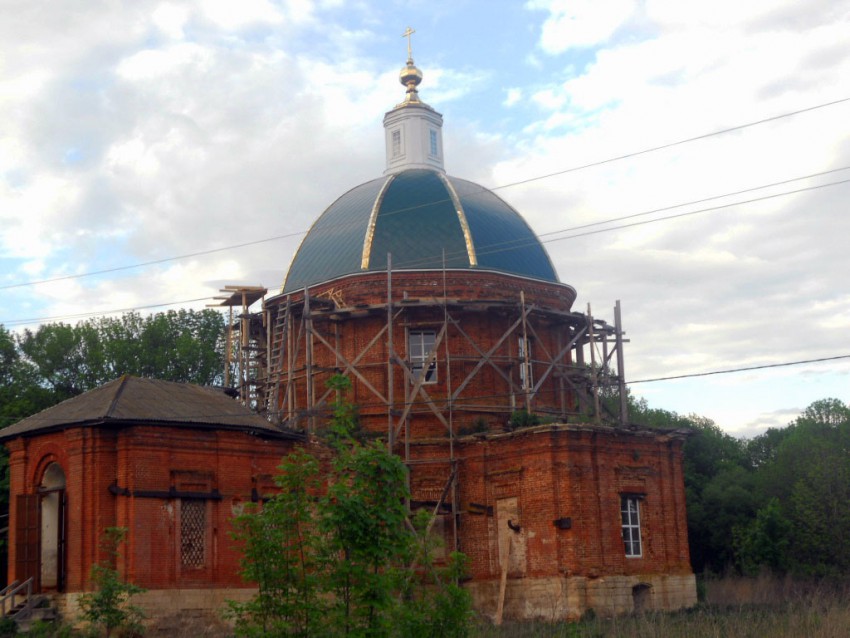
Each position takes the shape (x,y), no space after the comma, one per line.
(596,409)
(228,359)
(526,377)
(503,582)
(621,371)
(308,360)
(390,350)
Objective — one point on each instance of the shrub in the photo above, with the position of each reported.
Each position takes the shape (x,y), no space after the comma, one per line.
(108,607)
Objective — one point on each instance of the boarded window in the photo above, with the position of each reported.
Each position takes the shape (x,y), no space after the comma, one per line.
(193,528)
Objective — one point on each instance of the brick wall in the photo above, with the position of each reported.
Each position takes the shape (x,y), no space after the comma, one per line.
(553,472)
(349,319)
(145,462)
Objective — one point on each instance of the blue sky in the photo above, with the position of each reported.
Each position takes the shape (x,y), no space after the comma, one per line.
(139,131)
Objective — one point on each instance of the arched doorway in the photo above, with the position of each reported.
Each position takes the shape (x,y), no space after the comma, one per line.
(52,528)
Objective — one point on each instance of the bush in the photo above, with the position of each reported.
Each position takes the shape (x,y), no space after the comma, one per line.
(108,607)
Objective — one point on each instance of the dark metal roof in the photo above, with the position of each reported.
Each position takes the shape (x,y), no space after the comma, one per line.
(133,400)
(425,220)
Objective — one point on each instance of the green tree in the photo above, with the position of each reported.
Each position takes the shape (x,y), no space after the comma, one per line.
(764,542)
(279,545)
(178,345)
(805,471)
(108,607)
(367,541)
(349,562)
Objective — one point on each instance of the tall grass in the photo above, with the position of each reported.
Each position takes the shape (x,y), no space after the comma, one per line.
(763,607)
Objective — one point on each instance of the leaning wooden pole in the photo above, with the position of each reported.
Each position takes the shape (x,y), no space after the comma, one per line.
(308,361)
(621,370)
(228,358)
(591,337)
(526,361)
(390,350)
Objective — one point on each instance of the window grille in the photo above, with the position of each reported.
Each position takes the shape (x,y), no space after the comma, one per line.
(193,528)
(434,148)
(396,143)
(630,516)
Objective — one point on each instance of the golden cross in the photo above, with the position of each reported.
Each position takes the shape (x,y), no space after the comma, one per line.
(408,32)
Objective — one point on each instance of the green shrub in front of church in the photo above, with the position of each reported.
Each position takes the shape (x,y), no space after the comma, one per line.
(344,559)
(279,549)
(108,609)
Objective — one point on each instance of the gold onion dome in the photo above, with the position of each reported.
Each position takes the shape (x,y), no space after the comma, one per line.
(410,76)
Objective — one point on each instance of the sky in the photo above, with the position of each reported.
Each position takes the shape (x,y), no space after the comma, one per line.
(176,147)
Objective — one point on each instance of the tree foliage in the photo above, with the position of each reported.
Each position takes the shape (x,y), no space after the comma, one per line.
(780,501)
(178,345)
(347,561)
(108,607)
(57,361)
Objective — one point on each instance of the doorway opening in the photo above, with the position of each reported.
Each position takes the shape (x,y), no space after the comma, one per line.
(52,529)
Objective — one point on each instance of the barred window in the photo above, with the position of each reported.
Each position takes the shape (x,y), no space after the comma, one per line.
(630,516)
(193,531)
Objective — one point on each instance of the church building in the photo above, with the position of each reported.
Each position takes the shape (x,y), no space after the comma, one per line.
(440,304)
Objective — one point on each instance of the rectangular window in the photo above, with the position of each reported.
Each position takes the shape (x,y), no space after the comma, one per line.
(526,375)
(193,532)
(396,143)
(420,343)
(434,143)
(630,516)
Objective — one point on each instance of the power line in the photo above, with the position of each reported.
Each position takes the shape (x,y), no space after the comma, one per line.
(698,201)
(423,403)
(503,186)
(517,244)
(701,210)
(520,244)
(83,315)
(150,263)
(747,369)
(677,143)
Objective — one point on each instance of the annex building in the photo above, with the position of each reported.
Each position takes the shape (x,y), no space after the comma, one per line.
(441,305)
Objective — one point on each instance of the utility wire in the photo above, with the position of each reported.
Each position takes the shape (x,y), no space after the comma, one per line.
(747,369)
(518,244)
(522,243)
(83,315)
(503,186)
(677,143)
(460,402)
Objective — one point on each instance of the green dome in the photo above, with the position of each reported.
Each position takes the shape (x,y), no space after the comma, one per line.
(421,217)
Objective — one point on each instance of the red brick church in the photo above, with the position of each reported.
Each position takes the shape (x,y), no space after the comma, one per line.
(441,305)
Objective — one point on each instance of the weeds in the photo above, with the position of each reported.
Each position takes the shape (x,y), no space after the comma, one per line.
(734,608)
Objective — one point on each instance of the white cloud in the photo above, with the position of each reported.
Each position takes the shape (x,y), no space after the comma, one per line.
(170,19)
(135,133)
(580,23)
(513,96)
(233,15)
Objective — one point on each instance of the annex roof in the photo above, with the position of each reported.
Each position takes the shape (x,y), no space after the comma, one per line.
(136,401)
